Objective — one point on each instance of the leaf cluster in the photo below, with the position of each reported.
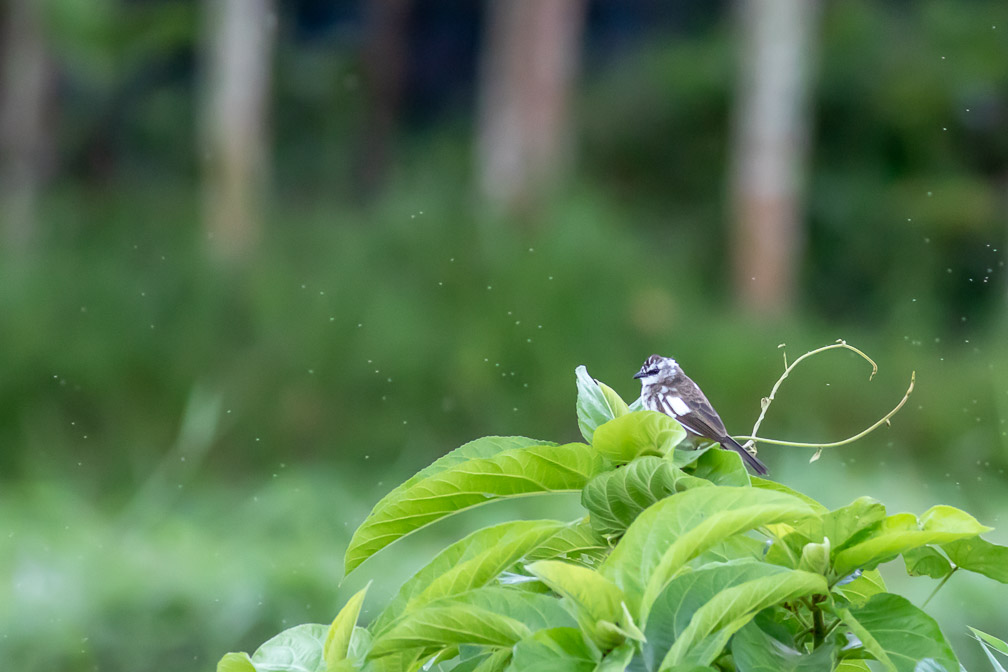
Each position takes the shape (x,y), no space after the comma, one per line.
(682,562)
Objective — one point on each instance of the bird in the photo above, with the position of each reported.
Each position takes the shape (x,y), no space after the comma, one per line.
(666,389)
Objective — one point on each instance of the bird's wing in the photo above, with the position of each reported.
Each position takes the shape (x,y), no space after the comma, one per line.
(702,418)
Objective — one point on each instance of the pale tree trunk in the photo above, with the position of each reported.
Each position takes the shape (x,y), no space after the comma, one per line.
(240,36)
(385,42)
(26,81)
(770,150)
(529,64)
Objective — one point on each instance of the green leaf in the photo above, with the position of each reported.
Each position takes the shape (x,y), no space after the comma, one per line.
(400,661)
(991,640)
(753,650)
(676,529)
(815,557)
(469,563)
(615,498)
(721,467)
(617,659)
(686,593)
(596,403)
(998,667)
(843,523)
(738,547)
(552,650)
(861,589)
(926,561)
(697,613)
(684,455)
(337,641)
(765,484)
(577,542)
(515,468)
(988,642)
(839,526)
(491,616)
(900,533)
(899,635)
(639,433)
(297,649)
(852,665)
(455,624)
(597,601)
(497,661)
(235,662)
(980,556)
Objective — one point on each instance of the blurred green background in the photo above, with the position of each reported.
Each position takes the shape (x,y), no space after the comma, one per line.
(261,260)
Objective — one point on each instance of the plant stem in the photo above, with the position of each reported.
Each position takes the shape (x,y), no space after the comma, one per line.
(938,587)
(799,444)
(818,628)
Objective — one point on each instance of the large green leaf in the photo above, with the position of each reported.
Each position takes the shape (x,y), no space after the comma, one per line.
(697,612)
(618,659)
(598,603)
(553,650)
(491,616)
(766,484)
(235,662)
(577,542)
(899,635)
(753,650)
(596,403)
(926,561)
(980,556)
(639,433)
(468,563)
(844,523)
(721,467)
(496,662)
(838,526)
(903,532)
(674,530)
(460,484)
(615,498)
(853,665)
(685,594)
(861,589)
(405,660)
(714,623)
(337,641)
(297,649)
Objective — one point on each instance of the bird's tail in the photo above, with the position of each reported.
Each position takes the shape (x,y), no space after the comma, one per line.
(747,457)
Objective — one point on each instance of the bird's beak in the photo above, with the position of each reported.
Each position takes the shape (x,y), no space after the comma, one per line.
(639,374)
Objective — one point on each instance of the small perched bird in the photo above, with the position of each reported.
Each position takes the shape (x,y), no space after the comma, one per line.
(666,389)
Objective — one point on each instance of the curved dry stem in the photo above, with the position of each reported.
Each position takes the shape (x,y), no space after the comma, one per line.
(750,440)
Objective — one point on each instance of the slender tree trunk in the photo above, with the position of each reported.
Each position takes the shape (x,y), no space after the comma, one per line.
(386,23)
(239,50)
(530,60)
(25,85)
(770,150)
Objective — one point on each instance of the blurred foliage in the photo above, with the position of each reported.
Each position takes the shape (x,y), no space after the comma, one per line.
(368,338)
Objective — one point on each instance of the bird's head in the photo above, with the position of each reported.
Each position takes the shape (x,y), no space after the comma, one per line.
(656,368)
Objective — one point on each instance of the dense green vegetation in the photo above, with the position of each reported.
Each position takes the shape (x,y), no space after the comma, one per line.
(662,574)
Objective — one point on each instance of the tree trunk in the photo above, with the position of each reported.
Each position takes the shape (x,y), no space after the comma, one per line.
(239,49)
(770,150)
(385,42)
(26,82)
(530,60)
